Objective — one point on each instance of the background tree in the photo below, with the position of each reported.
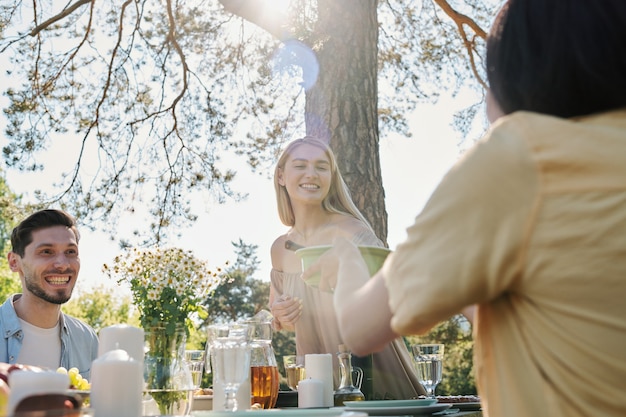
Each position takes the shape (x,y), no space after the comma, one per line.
(9,210)
(174,83)
(9,281)
(102,307)
(240,296)
(341,88)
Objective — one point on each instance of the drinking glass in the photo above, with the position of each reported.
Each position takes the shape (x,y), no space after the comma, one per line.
(428,360)
(294,370)
(195,362)
(230,360)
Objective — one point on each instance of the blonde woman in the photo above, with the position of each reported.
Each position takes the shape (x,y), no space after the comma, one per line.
(314,202)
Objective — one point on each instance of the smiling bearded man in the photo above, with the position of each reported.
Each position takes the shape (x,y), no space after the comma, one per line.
(45,255)
(60,260)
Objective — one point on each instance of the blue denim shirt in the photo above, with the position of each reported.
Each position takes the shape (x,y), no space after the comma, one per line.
(79,342)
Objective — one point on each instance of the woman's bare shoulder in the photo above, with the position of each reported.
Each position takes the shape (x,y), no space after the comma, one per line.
(279,245)
(279,251)
(284,259)
(349,225)
(357,231)
(279,242)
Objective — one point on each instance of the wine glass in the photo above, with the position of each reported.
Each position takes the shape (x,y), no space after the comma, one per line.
(230,360)
(428,360)
(195,361)
(294,370)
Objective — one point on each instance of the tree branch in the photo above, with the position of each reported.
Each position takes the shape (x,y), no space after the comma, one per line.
(64,13)
(461,20)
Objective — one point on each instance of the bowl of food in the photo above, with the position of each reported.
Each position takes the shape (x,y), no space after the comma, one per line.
(202,399)
(374,257)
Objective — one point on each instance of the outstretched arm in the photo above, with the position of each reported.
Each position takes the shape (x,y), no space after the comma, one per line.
(361,302)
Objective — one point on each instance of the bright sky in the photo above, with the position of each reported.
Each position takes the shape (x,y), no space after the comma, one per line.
(411,168)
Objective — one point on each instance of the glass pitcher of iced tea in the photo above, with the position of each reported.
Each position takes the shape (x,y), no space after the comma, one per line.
(264,376)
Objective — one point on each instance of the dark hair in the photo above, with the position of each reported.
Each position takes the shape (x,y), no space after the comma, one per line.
(22,234)
(565,58)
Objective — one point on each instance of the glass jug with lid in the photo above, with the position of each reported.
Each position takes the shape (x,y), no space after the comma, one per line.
(264,376)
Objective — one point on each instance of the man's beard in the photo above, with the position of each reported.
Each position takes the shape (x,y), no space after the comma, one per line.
(36,290)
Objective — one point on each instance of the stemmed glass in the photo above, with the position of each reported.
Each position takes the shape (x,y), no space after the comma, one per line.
(195,360)
(428,360)
(230,360)
(294,370)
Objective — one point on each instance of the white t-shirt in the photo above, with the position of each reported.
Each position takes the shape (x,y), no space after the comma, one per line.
(40,347)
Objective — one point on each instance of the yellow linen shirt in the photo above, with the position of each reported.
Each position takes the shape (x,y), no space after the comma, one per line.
(531,226)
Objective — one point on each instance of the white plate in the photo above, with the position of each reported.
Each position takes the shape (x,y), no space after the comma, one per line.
(390,403)
(291,412)
(417,410)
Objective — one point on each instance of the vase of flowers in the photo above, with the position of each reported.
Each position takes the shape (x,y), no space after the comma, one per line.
(168,287)
(167,378)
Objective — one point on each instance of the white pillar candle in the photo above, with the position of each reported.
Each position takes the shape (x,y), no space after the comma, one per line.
(27,383)
(310,393)
(320,366)
(122,336)
(116,385)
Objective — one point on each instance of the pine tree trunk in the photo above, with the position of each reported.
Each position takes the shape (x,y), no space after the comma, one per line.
(343,105)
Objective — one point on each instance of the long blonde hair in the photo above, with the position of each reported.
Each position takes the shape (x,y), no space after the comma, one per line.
(338,199)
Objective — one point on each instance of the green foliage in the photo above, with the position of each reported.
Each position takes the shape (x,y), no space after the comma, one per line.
(9,281)
(197,338)
(101,307)
(9,212)
(458,369)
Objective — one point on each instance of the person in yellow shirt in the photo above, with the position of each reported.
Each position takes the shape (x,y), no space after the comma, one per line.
(528,228)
